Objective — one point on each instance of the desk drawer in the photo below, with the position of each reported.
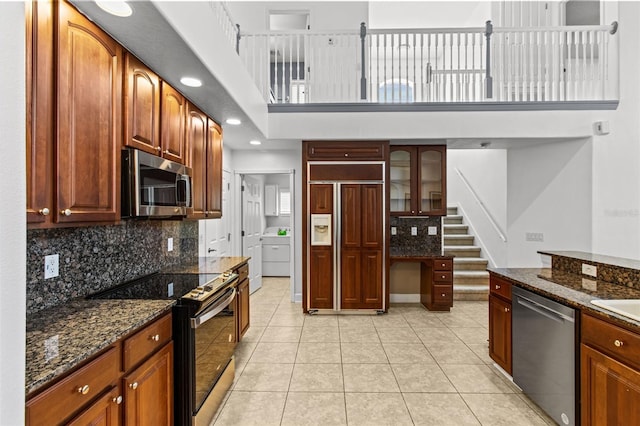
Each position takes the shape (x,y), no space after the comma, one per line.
(442,276)
(442,294)
(443,265)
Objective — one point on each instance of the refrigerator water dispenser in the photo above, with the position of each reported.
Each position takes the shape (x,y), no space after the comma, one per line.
(320,229)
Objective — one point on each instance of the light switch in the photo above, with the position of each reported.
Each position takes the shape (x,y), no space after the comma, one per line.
(414,231)
(433,230)
(394,230)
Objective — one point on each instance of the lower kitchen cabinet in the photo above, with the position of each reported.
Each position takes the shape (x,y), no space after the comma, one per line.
(92,394)
(148,391)
(500,322)
(610,373)
(242,300)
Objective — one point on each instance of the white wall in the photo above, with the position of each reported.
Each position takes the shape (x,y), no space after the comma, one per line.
(549,191)
(428,14)
(260,161)
(485,170)
(12,220)
(282,181)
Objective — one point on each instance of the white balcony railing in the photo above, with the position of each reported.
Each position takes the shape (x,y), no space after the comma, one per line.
(482,64)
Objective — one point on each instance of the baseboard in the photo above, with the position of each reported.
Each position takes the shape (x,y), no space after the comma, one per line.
(297,298)
(404,298)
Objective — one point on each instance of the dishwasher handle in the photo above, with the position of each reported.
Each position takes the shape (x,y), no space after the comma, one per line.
(543,310)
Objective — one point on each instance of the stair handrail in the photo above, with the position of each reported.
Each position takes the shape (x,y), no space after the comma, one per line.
(482,206)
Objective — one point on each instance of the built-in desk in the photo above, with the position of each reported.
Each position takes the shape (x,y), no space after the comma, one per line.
(436,280)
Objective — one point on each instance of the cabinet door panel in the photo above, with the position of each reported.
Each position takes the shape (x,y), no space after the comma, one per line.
(321,198)
(173,117)
(142,107)
(372,215)
(89,120)
(351,216)
(500,332)
(320,278)
(402,180)
(103,412)
(214,170)
(432,180)
(197,159)
(610,391)
(350,279)
(244,316)
(40,102)
(149,391)
(372,279)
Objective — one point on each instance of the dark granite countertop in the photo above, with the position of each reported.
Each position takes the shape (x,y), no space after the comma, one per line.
(570,289)
(208,265)
(595,258)
(83,328)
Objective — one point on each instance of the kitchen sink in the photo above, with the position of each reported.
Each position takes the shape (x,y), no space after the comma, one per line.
(629,308)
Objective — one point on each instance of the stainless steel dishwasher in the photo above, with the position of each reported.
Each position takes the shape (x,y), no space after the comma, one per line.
(544,358)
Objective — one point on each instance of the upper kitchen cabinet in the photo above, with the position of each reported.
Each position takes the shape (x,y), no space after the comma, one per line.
(75,81)
(346,151)
(204,147)
(141,107)
(418,180)
(173,113)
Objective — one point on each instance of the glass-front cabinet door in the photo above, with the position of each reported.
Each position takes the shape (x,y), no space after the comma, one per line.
(401,181)
(417,184)
(432,180)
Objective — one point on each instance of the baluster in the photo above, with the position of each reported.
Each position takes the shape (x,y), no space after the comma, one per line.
(415,88)
(429,76)
(539,83)
(384,81)
(592,93)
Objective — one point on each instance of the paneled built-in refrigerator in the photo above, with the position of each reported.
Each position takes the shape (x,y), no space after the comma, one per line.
(346,222)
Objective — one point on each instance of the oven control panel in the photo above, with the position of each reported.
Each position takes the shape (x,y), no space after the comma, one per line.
(207,290)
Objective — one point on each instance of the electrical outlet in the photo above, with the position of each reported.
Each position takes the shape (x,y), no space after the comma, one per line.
(169,289)
(169,244)
(534,236)
(51,348)
(590,270)
(51,264)
(433,230)
(414,231)
(394,230)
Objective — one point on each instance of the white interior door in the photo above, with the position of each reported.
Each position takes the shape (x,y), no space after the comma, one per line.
(217,232)
(252,229)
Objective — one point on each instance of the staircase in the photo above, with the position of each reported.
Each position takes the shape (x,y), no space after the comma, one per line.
(470,277)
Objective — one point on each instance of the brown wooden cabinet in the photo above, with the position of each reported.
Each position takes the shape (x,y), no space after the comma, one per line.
(417,185)
(436,283)
(610,373)
(173,109)
(141,107)
(500,345)
(346,151)
(97,392)
(242,306)
(80,154)
(204,147)
(148,391)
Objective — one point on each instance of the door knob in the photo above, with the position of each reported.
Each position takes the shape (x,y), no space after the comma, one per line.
(211,250)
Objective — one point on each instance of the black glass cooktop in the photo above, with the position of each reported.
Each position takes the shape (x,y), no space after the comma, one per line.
(156,286)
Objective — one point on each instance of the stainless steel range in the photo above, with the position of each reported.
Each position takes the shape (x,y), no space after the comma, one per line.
(204,334)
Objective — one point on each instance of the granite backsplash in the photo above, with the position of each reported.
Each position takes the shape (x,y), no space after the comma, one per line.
(423,244)
(98,257)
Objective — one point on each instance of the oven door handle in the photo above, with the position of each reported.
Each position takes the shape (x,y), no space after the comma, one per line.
(213,310)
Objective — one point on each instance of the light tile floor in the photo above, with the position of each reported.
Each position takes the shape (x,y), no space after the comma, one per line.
(409,366)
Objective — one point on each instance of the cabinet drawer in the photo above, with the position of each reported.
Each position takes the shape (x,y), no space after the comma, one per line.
(242,271)
(442,294)
(275,253)
(345,151)
(616,341)
(75,391)
(146,341)
(500,287)
(442,265)
(443,276)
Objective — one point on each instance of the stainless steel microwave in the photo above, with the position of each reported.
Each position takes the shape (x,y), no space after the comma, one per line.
(154,187)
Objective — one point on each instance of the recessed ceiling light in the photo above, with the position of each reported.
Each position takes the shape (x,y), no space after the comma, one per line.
(191,81)
(233,121)
(255,142)
(117,8)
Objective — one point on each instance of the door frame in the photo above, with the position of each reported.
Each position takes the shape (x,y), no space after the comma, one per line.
(237,222)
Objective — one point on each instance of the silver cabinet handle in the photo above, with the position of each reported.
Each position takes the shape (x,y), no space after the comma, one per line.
(117,399)
(44,212)
(65,212)
(134,385)
(83,390)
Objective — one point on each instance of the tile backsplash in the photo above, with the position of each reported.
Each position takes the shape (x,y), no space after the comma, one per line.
(96,258)
(423,244)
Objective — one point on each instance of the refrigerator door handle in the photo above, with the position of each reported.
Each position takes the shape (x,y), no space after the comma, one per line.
(337,240)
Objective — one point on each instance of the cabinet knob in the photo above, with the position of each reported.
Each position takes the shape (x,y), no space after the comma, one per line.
(506,309)
(176,210)
(618,343)
(443,294)
(230,338)
(117,399)
(444,276)
(413,211)
(346,155)
(83,390)
(44,212)
(419,211)
(166,151)
(65,212)
(134,385)
(443,265)
(158,149)
(155,337)
(497,286)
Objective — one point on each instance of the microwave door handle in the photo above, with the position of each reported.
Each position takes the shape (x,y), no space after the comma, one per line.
(213,310)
